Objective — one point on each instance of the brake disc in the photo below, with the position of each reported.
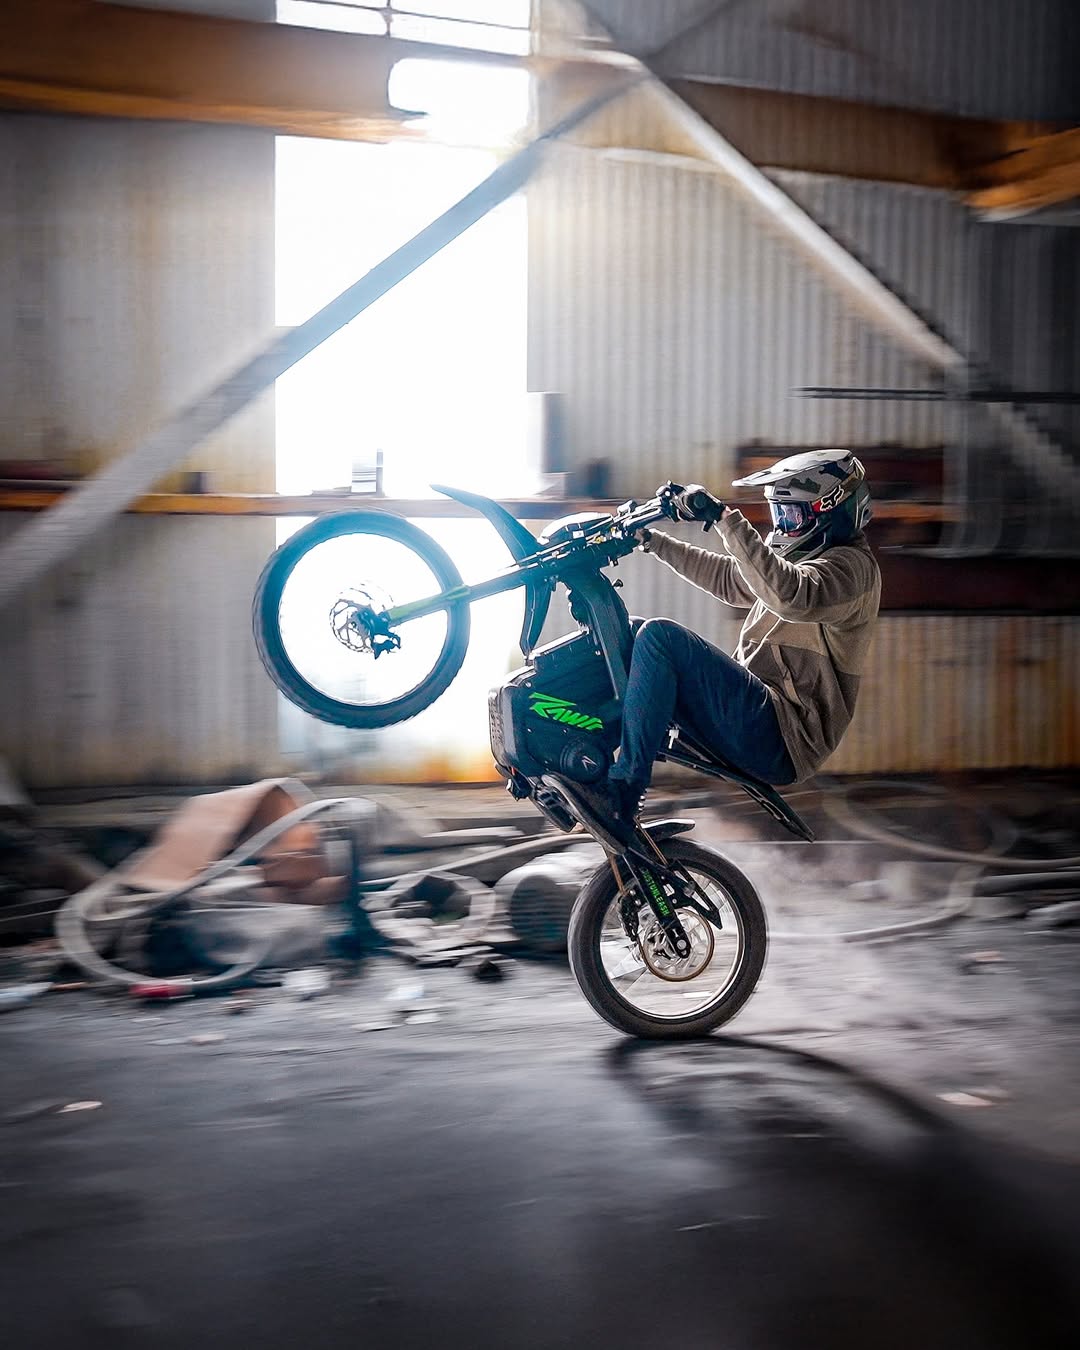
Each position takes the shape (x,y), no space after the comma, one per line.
(352,616)
(663,961)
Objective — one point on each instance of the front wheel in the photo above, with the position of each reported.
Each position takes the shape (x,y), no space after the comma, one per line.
(637,983)
(310,609)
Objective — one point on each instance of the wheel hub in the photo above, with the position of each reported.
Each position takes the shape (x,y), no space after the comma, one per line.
(357,623)
(661,958)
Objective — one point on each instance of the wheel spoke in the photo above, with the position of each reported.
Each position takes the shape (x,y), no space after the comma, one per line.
(667,987)
(321,619)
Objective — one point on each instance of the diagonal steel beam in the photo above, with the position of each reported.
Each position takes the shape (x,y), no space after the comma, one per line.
(60,531)
(861,287)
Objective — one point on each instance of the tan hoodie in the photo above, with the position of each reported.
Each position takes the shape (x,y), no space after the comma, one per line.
(808,631)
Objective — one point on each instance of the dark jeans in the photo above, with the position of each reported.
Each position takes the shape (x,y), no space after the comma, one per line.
(676,676)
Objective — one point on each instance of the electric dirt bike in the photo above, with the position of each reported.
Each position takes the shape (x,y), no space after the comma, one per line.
(362,620)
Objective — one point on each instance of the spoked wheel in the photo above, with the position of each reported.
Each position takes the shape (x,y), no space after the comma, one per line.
(315,620)
(641,986)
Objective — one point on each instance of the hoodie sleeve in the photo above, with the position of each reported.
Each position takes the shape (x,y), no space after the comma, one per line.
(828,589)
(712,572)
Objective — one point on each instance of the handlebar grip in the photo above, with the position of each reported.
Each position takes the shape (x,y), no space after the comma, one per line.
(705,507)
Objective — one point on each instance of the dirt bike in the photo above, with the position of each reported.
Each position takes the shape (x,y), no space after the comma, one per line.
(362,620)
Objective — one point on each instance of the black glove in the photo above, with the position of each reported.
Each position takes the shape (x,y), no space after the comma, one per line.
(694,503)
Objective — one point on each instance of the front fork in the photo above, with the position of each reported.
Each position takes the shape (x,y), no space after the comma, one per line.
(659,887)
(665,889)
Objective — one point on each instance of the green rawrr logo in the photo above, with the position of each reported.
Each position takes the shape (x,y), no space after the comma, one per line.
(559,710)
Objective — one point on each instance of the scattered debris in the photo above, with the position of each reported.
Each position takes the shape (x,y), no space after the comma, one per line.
(998,906)
(78,1106)
(539,895)
(239,1005)
(417,1018)
(401,827)
(388,1024)
(965,1099)
(1061,915)
(432,911)
(992,1093)
(162,991)
(441,959)
(988,960)
(486,966)
(406,995)
(307,983)
(207,1038)
(19,995)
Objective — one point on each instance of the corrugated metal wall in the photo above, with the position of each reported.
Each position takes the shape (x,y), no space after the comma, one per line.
(947,692)
(1005,294)
(984,58)
(138,266)
(674,327)
(137,260)
(134,663)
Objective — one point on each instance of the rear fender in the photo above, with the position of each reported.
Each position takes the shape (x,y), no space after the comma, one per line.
(522,544)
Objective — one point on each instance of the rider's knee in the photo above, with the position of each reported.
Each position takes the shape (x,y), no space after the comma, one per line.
(659,634)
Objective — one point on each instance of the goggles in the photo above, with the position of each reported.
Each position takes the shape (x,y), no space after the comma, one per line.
(791,517)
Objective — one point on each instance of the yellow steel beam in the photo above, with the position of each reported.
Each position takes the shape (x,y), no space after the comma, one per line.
(79,56)
(320,503)
(85,57)
(796,131)
(1031,153)
(1042,171)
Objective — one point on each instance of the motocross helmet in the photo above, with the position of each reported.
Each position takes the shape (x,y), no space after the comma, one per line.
(816,499)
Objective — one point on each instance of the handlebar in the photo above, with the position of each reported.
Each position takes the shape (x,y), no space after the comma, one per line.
(632,516)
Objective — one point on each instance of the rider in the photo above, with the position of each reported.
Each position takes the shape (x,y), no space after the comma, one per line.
(779,707)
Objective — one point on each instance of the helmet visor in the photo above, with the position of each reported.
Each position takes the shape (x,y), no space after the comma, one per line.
(791,517)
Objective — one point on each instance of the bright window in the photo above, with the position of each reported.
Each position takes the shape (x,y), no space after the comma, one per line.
(487,25)
(431,377)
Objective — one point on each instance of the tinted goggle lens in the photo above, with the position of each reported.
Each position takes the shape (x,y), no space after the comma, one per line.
(791,517)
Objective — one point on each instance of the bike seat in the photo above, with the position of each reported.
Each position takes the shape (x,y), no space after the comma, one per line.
(685,746)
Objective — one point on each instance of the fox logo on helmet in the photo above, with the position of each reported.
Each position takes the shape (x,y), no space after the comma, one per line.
(831,499)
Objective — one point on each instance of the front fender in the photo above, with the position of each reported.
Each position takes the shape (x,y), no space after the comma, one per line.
(659,830)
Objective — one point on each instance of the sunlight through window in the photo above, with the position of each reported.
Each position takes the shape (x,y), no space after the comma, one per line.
(431,378)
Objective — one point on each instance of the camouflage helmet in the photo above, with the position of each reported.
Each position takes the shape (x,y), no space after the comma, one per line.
(817,499)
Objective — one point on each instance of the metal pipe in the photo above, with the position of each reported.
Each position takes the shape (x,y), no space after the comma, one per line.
(60,531)
(1042,396)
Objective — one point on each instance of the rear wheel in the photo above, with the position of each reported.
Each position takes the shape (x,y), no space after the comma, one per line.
(640,985)
(309,619)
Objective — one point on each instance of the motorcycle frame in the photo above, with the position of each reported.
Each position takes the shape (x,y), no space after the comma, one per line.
(578,562)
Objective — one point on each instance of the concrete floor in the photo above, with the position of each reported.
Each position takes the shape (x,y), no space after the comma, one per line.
(510,1173)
